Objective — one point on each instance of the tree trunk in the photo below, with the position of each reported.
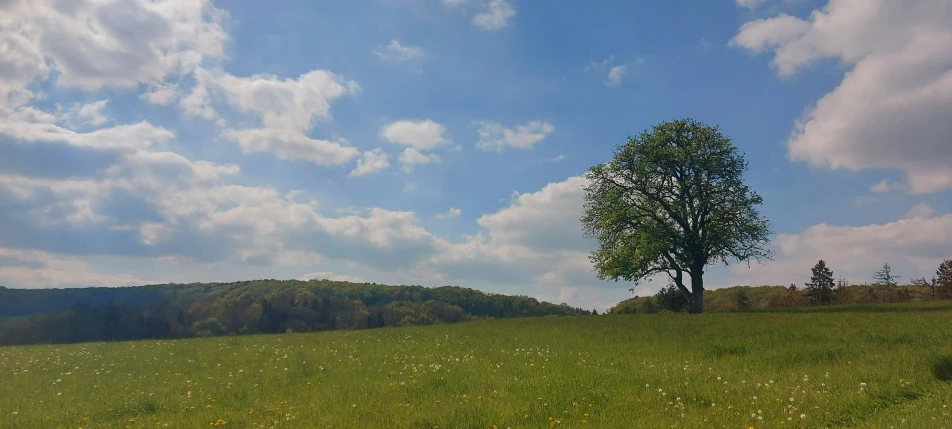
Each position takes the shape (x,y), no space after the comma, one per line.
(697,293)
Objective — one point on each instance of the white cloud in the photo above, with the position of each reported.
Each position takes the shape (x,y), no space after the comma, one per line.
(750,3)
(95,44)
(886,186)
(327,275)
(889,112)
(399,52)
(36,269)
(599,65)
(371,162)
(496,17)
(418,134)
(411,157)
(144,200)
(546,219)
(92,114)
(493,136)
(286,109)
(141,135)
(198,101)
(914,245)
(161,94)
(32,115)
(536,239)
(453,212)
(554,160)
(919,211)
(615,75)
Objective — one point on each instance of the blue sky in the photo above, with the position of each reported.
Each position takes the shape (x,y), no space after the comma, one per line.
(442,141)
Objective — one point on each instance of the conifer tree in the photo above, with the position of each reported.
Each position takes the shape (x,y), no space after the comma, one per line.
(820,288)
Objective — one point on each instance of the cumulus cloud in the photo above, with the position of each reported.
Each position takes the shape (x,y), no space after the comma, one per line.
(169,205)
(411,157)
(125,192)
(396,51)
(44,270)
(141,135)
(750,3)
(453,212)
(496,16)
(914,245)
(162,94)
(919,211)
(616,74)
(287,110)
(546,219)
(94,44)
(418,134)
(536,239)
(92,113)
(886,185)
(494,137)
(371,162)
(889,112)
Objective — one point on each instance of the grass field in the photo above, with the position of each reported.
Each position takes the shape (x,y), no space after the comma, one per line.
(869,367)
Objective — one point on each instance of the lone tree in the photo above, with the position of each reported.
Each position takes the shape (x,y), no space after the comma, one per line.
(885,277)
(673,201)
(821,283)
(941,284)
(944,278)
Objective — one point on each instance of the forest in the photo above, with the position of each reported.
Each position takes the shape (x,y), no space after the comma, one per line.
(30,316)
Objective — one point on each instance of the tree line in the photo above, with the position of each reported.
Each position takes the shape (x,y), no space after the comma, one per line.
(240,308)
(822,289)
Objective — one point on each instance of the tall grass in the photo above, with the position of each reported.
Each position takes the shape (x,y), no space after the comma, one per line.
(884,366)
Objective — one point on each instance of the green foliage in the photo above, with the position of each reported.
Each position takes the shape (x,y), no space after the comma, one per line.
(944,273)
(772,297)
(671,298)
(673,201)
(944,279)
(885,366)
(743,298)
(240,308)
(820,288)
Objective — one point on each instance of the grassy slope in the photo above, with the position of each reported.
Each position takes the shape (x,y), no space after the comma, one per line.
(676,370)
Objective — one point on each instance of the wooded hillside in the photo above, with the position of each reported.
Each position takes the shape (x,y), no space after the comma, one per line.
(249,307)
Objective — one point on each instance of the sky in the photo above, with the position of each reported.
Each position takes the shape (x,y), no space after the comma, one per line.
(444,142)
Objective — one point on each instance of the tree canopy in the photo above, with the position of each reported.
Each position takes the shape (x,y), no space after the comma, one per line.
(673,200)
(821,283)
(251,307)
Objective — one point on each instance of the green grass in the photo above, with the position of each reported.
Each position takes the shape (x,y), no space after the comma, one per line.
(739,370)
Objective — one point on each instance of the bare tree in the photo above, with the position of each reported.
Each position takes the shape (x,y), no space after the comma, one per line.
(885,277)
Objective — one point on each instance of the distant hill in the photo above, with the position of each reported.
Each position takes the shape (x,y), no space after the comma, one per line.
(248,307)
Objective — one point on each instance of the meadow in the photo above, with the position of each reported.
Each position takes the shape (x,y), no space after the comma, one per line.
(886,366)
